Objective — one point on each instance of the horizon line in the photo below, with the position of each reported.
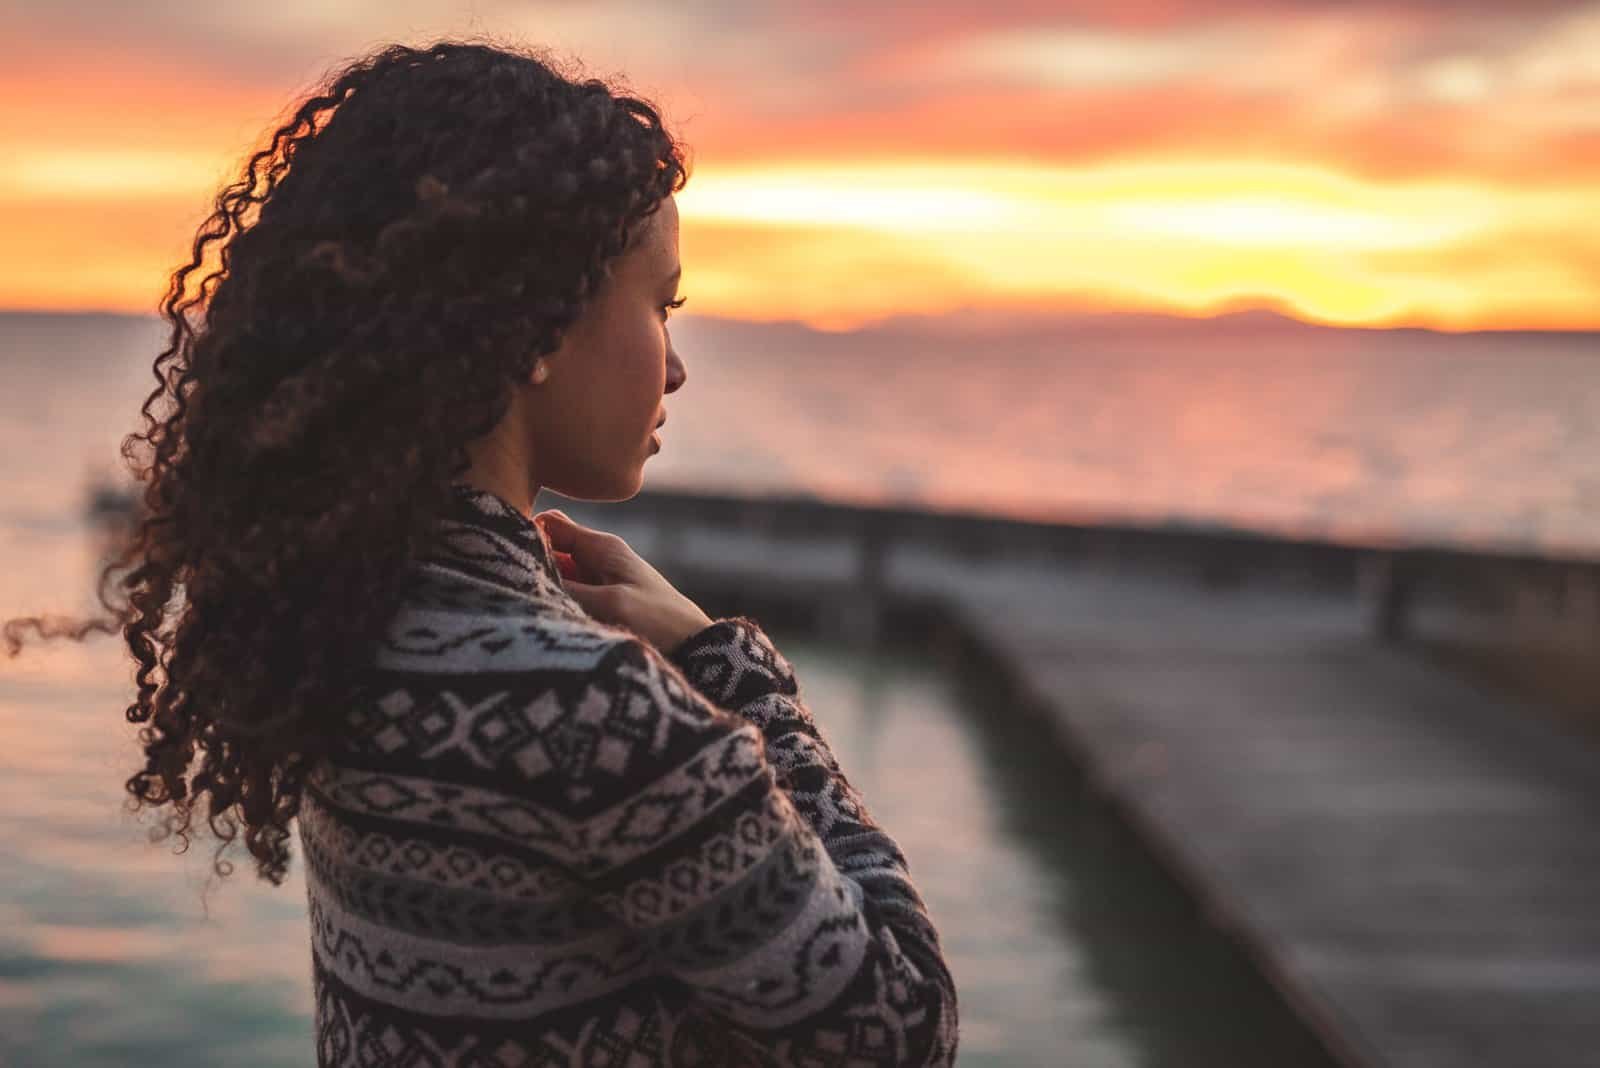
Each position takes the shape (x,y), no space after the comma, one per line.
(1024,316)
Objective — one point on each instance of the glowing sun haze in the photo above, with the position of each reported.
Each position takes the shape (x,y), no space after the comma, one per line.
(1398,162)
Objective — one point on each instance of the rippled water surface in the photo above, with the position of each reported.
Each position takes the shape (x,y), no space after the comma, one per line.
(1068,946)
(1485,439)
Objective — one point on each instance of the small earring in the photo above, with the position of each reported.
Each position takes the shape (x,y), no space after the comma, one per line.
(540,371)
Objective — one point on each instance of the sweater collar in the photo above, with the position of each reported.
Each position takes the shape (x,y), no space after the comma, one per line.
(484,535)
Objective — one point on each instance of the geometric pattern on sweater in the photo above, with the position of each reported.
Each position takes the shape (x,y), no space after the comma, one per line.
(634,824)
(419,907)
(574,733)
(715,864)
(543,842)
(499,981)
(447,863)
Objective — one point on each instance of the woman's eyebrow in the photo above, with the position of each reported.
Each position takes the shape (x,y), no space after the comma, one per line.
(675,275)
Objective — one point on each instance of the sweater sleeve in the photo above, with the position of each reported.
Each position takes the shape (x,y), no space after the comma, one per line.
(735,665)
(751,868)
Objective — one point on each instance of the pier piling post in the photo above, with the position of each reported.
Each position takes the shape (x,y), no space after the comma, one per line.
(861,614)
(1390,584)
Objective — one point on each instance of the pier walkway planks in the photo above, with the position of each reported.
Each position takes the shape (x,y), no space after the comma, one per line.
(1414,861)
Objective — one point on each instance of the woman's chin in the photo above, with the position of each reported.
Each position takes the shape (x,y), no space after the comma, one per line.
(633,482)
(617,484)
(624,488)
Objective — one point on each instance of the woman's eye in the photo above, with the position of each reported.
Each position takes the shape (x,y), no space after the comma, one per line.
(666,309)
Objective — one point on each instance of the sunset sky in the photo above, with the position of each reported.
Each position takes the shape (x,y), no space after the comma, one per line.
(1394,162)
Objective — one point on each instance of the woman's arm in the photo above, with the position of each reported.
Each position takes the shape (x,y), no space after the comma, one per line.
(752,868)
(735,665)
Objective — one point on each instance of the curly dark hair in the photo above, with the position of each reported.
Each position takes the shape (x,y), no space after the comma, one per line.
(431,220)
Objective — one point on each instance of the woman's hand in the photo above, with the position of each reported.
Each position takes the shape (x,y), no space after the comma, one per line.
(615,585)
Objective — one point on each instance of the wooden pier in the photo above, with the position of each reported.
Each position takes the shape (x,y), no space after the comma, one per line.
(1412,860)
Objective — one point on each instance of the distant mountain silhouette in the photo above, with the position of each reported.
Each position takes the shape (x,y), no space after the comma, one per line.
(1261,318)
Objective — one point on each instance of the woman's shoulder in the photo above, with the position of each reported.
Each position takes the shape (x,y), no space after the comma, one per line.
(493,689)
(450,623)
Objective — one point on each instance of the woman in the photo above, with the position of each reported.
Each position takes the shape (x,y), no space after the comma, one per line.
(551,812)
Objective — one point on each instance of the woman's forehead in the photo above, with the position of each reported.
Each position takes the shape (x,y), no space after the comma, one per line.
(663,228)
(654,256)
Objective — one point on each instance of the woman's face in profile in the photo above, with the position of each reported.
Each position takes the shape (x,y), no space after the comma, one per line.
(591,421)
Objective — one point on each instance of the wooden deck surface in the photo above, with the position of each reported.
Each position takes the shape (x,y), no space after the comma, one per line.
(1414,861)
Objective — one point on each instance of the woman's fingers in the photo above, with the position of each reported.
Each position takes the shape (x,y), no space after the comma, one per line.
(598,555)
(563,539)
(610,582)
(562,531)
(596,600)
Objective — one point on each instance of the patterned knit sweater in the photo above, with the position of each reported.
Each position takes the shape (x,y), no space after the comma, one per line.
(544,843)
